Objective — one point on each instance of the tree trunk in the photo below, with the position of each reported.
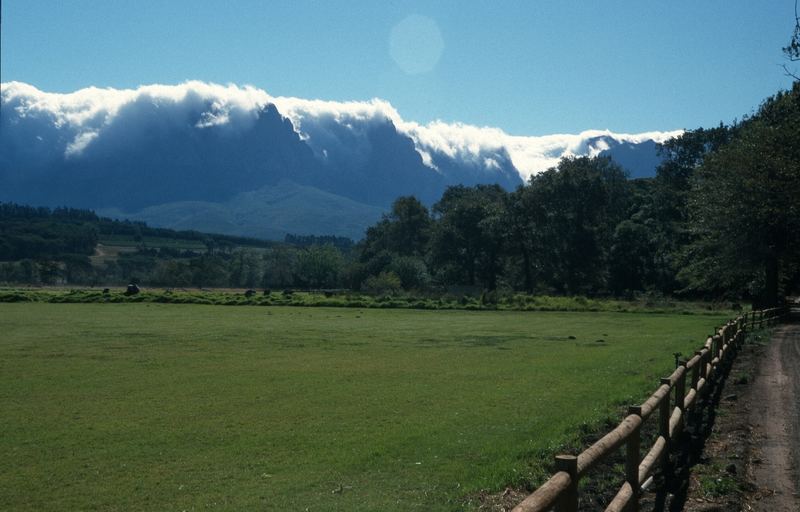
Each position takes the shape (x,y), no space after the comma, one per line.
(526,264)
(771,286)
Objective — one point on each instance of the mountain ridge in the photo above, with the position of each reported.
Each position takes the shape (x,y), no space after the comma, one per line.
(155,152)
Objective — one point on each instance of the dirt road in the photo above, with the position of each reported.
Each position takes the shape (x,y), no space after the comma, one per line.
(751,460)
(774,415)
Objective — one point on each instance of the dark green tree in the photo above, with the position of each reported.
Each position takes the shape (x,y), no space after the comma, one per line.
(520,238)
(405,230)
(631,258)
(278,267)
(209,270)
(574,210)
(397,243)
(318,266)
(662,213)
(412,272)
(467,242)
(745,212)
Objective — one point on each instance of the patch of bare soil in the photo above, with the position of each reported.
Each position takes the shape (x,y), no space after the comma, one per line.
(750,460)
(499,502)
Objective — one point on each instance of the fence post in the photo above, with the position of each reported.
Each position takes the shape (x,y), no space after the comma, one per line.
(699,372)
(714,345)
(716,342)
(725,339)
(728,339)
(680,390)
(568,502)
(632,458)
(727,344)
(664,414)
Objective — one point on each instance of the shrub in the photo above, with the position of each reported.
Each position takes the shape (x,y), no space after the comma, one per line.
(412,272)
(385,283)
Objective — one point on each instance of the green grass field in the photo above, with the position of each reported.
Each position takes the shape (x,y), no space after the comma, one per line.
(192,407)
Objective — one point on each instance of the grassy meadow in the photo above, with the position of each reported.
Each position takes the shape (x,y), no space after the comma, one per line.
(152,406)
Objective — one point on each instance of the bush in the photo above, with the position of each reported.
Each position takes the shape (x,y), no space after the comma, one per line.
(385,283)
(412,272)
(489,298)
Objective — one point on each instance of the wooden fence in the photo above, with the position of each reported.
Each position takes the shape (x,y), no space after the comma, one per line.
(683,388)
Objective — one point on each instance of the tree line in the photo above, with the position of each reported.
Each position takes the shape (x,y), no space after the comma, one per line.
(719,220)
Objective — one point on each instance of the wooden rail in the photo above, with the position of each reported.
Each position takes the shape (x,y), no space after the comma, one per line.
(676,395)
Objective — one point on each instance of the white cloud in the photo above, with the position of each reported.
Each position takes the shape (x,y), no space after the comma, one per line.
(336,129)
(80,142)
(530,154)
(330,127)
(301,111)
(83,114)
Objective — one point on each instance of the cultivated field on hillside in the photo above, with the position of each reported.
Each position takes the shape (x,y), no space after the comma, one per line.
(193,407)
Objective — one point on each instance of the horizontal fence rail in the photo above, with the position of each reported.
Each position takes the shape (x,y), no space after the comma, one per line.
(675,396)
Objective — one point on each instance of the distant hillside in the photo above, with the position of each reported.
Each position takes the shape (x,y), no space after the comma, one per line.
(639,159)
(28,232)
(61,246)
(271,212)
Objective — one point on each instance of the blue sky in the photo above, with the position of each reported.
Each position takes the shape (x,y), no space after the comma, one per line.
(528,67)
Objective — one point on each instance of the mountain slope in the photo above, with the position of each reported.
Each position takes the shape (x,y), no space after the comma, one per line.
(639,159)
(213,157)
(270,212)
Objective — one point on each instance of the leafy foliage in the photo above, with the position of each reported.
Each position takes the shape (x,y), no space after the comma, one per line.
(467,242)
(745,212)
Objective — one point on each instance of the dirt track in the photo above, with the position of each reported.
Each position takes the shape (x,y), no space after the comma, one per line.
(774,415)
(750,461)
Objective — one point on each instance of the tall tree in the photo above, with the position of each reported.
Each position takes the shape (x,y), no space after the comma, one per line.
(744,206)
(319,266)
(397,243)
(520,235)
(575,208)
(663,213)
(405,230)
(467,242)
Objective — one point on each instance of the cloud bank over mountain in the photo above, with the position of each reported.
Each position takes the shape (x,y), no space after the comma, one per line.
(459,142)
(206,144)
